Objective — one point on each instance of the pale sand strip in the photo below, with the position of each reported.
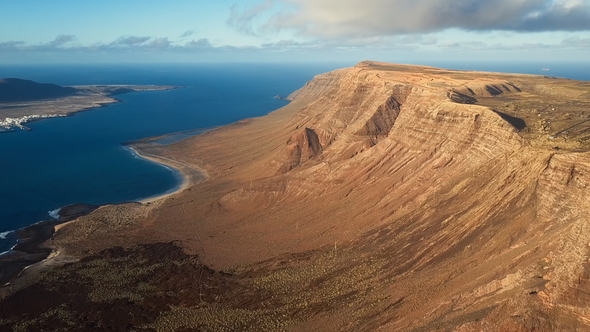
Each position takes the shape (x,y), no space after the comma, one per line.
(190,174)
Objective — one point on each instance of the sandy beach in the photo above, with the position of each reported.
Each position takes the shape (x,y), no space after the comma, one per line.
(189,174)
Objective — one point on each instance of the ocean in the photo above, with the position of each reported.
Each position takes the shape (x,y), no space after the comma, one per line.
(81,159)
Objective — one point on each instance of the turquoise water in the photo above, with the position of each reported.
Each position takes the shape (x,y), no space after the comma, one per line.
(80,159)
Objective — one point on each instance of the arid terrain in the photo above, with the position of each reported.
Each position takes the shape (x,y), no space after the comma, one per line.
(382,198)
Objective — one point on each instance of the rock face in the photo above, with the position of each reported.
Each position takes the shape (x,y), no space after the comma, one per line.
(399,198)
(15,89)
(301,147)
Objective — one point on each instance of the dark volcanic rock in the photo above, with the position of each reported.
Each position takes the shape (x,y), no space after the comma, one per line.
(156,276)
(28,251)
(15,89)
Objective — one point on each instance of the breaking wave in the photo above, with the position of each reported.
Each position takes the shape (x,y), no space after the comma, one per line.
(54,213)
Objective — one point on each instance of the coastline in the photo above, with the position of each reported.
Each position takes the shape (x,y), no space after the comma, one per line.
(17,114)
(90,97)
(188,175)
(29,250)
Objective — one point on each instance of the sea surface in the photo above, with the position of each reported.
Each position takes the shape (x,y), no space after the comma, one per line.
(81,159)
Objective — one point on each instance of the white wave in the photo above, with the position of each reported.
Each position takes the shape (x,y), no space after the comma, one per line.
(4,235)
(8,251)
(132,151)
(54,213)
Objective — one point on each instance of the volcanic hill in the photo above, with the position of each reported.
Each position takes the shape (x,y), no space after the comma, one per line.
(383,197)
(16,89)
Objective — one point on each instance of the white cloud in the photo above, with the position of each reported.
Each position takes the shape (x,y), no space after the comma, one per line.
(342,19)
(244,19)
(576,42)
(159,44)
(202,43)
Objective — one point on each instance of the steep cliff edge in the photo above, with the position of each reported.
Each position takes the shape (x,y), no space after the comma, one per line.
(384,197)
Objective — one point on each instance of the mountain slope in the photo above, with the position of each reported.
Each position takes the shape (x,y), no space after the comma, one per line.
(384,197)
(449,213)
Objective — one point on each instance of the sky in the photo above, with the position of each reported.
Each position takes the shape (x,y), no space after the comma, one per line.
(167,31)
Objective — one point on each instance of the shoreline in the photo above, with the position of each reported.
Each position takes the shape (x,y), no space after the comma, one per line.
(107,97)
(188,175)
(28,250)
(90,97)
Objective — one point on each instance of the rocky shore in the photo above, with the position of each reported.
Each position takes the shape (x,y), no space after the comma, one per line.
(29,249)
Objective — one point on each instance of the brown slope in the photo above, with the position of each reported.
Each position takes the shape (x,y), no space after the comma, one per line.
(402,208)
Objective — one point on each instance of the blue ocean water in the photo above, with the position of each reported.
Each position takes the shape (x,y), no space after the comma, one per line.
(80,159)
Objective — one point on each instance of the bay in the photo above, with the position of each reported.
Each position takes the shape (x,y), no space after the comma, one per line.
(80,159)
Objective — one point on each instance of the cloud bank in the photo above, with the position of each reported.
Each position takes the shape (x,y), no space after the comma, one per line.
(340,19)
(146,44)
(63,43)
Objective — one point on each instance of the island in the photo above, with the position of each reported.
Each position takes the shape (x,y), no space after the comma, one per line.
(22,101)
(382,197)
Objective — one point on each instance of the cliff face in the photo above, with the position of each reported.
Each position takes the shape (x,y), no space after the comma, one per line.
(439,213)
(395,198)
(458,220)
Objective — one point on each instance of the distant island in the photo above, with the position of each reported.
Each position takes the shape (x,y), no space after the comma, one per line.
(22,101)
(16,89)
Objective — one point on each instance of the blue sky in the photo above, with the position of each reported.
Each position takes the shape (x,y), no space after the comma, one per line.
(40,31)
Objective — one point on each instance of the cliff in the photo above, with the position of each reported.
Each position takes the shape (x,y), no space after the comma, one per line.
(399,198)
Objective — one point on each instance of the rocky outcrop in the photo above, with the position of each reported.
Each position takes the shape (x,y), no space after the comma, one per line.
(461,98)
(301,147)
(487,88)
(380,124)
